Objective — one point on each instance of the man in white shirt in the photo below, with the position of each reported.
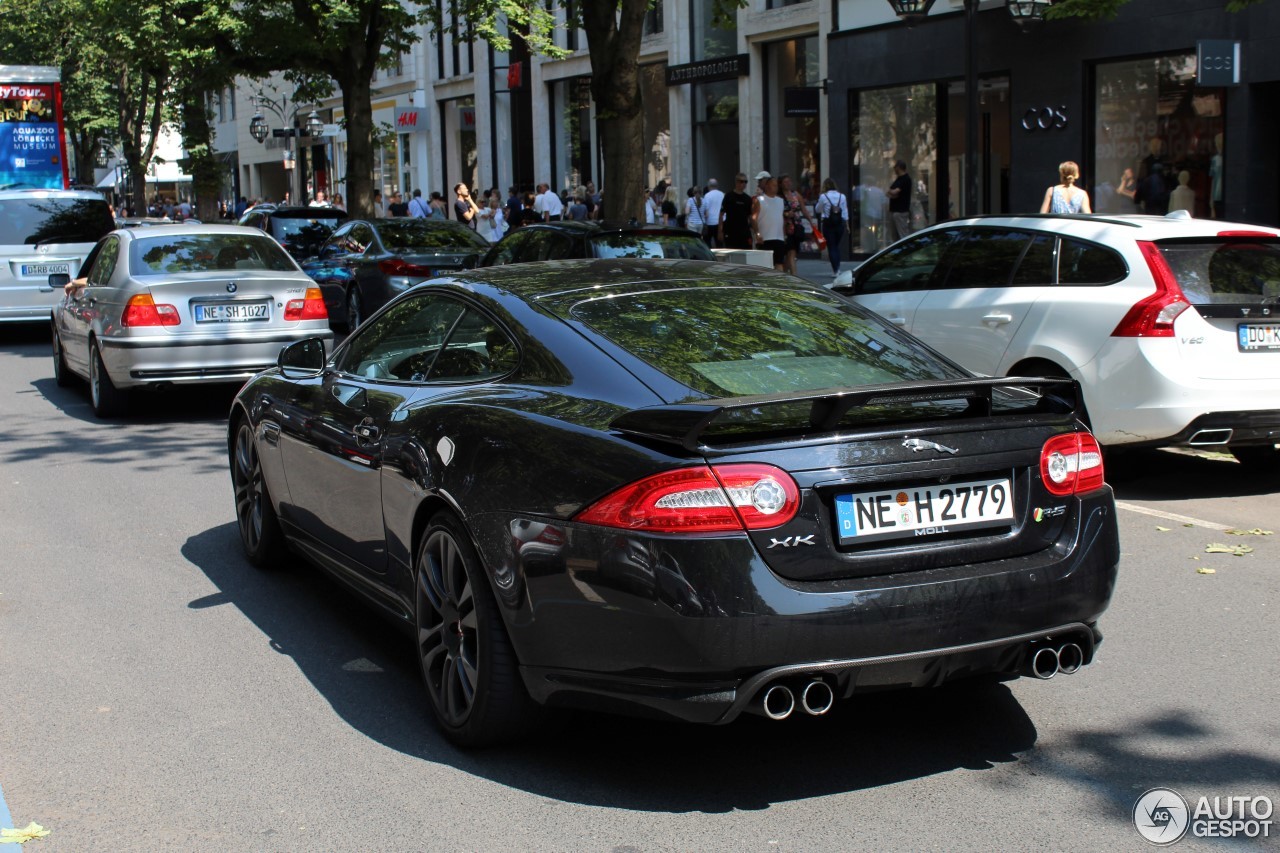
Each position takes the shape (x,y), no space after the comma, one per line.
(319,200)
(552,207)
(711,211)
(539,202)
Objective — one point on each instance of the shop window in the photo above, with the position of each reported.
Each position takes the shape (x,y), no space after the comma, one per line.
(573,133)
(1158,138)
(792,141)
(657,123)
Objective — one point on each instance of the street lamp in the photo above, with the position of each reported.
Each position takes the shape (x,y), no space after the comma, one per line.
(315,127)
(260,130)
(258,127)
(911,11)
(1027,14)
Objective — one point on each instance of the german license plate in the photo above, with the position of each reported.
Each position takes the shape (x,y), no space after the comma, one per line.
(232,312)
(922,511)
(1259,337)
(29,270)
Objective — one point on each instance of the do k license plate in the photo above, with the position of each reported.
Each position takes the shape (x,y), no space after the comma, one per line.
(1259,337)
(923,511)
(232,312)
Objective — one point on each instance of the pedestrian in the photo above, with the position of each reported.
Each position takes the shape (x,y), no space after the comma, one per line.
(795,214)
(490,223)
(652,204)
(767,223)
(464,207)
(693,211)
(551,205)
(1065,196)
(711,201)
(529,214)
(320,200)
(340,203)
(900,201)
(733,228)
(417,207)
(578,210)
(436,207)
(379,209)
(670,206)
(514,205)
(398,207)
(832,210)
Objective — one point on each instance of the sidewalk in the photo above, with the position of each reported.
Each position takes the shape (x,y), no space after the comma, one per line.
(818,270)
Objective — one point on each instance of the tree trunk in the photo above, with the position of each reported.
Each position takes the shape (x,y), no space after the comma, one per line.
(358,107)
(614,43)
(202,163)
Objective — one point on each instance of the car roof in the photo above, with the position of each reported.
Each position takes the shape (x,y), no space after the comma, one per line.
(301,212)
(179,230)
(594,227)
(1104,228)
(561,283)
(7,194)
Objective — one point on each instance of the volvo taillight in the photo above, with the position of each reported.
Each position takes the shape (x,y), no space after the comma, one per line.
(701,499)
(310,307)
(1071,464)
(142,310)
(1153,316)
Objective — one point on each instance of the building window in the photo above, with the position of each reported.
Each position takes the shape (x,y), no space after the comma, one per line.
(1158,138)
(710,41)
(231,101)
(887,125)
(657,123)
(574,151)
(791,146)
(715,131)
(653,19)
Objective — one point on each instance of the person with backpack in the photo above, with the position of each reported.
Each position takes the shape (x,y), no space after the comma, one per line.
(832,211)
(417,207)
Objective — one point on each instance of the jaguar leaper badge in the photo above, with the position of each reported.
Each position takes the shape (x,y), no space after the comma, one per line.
(919,444)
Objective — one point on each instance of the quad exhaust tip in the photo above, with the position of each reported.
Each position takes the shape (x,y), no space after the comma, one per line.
(817,698)
(1048,661)
(1044,663)
(778,702)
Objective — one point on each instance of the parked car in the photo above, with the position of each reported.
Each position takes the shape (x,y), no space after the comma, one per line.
(557,241)
(1171,324)
(366,263)
(682,488)
(301,230)
(43,233)
(182,304)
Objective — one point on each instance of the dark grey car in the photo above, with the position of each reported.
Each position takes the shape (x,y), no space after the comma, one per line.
(367,262)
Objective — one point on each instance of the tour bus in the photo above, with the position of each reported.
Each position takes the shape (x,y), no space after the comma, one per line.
(45,228)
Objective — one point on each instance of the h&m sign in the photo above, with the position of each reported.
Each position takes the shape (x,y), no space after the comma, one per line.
(410,119)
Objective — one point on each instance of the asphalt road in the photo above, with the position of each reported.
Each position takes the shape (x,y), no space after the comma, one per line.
(157,693)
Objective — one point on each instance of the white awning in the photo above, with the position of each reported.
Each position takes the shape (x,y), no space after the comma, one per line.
(112,178)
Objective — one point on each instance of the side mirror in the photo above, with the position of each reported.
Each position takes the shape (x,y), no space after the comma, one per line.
(59,280)
(306,357)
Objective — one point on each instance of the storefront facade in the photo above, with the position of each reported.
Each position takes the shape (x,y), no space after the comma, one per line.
(1118,97)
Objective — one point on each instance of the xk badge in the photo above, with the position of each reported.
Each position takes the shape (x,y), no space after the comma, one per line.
(791,541)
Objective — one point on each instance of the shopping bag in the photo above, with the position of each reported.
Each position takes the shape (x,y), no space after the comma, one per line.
(819,239)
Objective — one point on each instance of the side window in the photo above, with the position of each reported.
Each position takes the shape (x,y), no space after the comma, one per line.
(534,246)
(1036,267)
(105,264)
(511,249)
(556,247)
(986,258)
(403,342)
(477,349)
(359,238)
(334,246)
(913,265)
(1088,263)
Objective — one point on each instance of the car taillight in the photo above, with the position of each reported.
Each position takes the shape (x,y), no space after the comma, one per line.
(1153,316)
(142,310)
(401,267)
(1071,464)
(702,499)
(311,307)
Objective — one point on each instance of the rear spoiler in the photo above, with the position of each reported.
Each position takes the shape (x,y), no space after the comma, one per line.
(684,424)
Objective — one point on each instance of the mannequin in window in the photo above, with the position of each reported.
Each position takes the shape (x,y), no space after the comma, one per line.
(1215,175)
(1183,198)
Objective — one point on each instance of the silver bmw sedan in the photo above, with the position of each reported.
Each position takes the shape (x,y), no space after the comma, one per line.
(180,305)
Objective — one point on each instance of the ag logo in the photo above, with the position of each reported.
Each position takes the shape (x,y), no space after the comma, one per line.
(1161,816)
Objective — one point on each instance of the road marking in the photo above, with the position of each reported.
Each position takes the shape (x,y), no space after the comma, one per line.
(1172,516)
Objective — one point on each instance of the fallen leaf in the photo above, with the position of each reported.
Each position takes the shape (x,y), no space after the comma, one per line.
(1188,525)
(1233,550)
(1257,531)
(22,836)
(1205,570)
(1166,530)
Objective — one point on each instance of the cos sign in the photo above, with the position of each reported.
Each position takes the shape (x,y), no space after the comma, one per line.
(1045,118)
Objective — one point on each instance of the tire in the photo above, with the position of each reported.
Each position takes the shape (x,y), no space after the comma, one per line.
(1260,458)
(355,316)
(61,373)
(260,533)
(107,400)
(1048,368)
(470,670)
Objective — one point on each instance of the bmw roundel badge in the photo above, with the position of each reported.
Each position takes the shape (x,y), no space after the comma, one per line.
(231,287)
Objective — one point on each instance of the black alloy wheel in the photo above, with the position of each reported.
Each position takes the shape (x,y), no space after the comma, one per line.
(255,516)
(468,664)
(354,315)
(61,373)
(107,400)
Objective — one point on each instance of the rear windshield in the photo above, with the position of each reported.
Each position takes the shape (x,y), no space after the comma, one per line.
(32,221)
(1225,272)
(421,235)
(743,341)
(206,253)
(651,246)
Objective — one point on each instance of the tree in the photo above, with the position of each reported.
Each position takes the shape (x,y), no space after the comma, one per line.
(343,40)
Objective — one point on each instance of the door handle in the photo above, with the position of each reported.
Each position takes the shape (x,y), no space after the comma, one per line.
(366,432)
(997,319)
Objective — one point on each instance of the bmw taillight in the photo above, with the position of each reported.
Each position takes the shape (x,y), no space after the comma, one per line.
(1071,464)
(401,268)
(142,310)
(701,499)
(310,307)
(1153,316)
